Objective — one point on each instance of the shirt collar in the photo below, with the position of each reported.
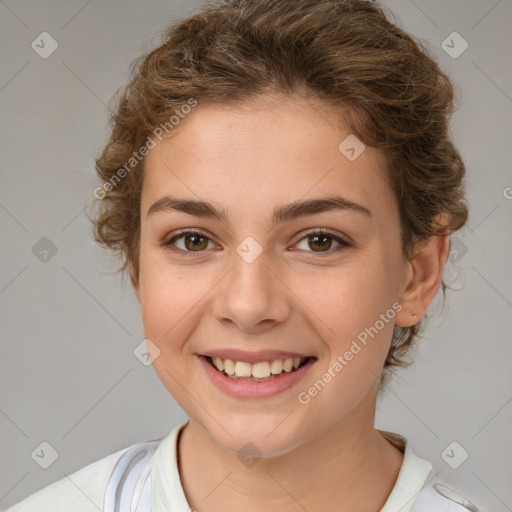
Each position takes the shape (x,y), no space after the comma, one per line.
(413,475)
(167,492)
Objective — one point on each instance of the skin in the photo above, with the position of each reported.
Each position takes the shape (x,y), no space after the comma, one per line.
(325,455)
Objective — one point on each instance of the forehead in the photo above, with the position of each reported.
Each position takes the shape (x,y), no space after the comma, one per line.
(275,151)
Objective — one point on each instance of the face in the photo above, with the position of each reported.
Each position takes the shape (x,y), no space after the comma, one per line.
(268,289)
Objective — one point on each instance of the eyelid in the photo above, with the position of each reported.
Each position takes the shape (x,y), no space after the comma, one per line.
(167,242)
(325,231)
(341,239)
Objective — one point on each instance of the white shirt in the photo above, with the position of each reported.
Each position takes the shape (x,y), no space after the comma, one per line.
(84,490)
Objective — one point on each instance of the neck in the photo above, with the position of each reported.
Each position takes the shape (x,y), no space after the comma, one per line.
(349,467)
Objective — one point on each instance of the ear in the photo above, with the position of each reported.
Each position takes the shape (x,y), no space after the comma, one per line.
(423,275)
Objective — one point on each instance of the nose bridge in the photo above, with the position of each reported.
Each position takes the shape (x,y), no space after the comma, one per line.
(250,266)
(251,277)
(251,294)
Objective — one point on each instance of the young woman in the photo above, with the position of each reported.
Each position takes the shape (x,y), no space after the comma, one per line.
(281,187)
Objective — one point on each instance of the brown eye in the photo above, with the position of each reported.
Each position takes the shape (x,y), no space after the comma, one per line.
(188,242)
(195,242)
(321,242)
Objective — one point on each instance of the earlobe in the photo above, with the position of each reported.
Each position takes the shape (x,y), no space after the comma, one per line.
(423,278)
(407,317)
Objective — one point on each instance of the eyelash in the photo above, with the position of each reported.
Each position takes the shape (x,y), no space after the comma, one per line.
(320,231)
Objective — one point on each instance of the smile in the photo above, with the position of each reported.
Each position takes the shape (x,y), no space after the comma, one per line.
(257,372)
(261,379)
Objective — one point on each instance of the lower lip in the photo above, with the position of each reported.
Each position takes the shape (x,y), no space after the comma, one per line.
(244,389)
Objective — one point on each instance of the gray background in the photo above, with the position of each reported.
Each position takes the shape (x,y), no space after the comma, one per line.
(68,373)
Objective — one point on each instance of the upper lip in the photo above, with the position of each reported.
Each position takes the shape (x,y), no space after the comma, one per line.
(252,357)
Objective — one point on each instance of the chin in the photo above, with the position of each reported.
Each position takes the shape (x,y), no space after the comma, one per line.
(255,436)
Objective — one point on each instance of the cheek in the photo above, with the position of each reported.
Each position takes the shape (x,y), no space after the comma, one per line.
(165,308)
(351,297)
(353,311)
(165,301)
(357,322)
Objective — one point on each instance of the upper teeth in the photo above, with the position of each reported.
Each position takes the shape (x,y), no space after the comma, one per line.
(259,370)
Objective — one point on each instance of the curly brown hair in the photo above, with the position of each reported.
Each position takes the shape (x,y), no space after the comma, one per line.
(345,54)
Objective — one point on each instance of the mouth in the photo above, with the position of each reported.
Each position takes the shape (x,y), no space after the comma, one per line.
(261,371)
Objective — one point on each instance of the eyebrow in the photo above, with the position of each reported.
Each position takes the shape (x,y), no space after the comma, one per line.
(282,213)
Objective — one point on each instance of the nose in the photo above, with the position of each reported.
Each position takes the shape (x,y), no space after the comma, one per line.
(252,296)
